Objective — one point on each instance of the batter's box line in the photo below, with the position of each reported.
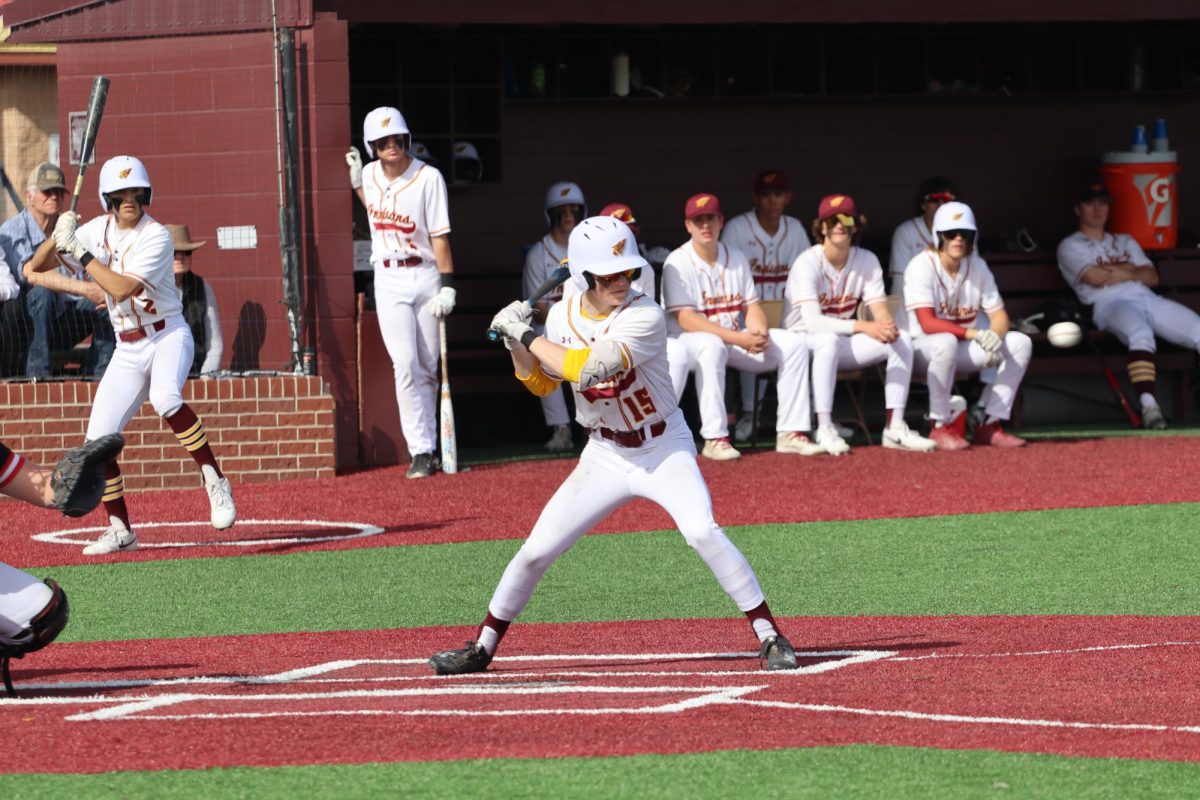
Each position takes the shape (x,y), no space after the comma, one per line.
(1059,652)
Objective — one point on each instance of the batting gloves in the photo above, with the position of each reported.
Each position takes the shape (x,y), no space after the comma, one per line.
(64,234)
(989,340)
(513,320)
(354,161)
(442,303)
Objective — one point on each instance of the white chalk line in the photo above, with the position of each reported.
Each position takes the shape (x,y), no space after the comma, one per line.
(361,530)
(1064,651)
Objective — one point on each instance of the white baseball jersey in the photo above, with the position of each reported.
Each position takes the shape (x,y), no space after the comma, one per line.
(145,253)
(405,214)
(720,291)
(540,261)
(770,257)
(814,279)
(1077,252)
(958,299)
(911,238)
(642,394)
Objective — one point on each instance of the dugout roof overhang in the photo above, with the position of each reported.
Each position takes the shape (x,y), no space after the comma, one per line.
(83,20)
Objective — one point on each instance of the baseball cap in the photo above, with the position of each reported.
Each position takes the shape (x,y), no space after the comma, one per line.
(1093,190)
(771,179)
(700,204)
(840,206)
(46,176)
(620,211)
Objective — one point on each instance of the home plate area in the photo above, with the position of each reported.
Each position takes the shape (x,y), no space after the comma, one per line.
(1080,686)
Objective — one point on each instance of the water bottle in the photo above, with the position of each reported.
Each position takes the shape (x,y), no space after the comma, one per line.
(1161,145)
(1139,139)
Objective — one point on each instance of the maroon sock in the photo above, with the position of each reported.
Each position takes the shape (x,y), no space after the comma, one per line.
(189,430)
(761,611)
(890,413)
(114,494)
(496,624)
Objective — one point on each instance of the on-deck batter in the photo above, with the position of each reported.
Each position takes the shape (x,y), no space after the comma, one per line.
(610,344)
(406,204)
(131,256)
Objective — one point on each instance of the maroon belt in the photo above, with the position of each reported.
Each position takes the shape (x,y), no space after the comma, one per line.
(633,438)
(415,261)
(142,333)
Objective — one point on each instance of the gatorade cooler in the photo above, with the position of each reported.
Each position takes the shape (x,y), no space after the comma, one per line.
(1142,184)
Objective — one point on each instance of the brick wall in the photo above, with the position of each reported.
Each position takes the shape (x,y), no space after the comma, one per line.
(261,429)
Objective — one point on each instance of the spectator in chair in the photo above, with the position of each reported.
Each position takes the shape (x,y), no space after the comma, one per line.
(199,305)
(1110,273)
(62,309)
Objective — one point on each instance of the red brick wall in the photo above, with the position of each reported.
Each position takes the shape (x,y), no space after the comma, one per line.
(261,429)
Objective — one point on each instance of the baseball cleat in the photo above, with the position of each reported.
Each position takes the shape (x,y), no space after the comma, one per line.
(828,438)
(777,653)
(117,539)
(946,438)
(797,442)
(421,467)
(220,499)
(743,429)
(993,434)
(561,441)
(472,658)
(844,431)
(1153,419)
(720,450)
(901,437)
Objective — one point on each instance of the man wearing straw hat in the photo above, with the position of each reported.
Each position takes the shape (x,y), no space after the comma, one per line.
(199,305)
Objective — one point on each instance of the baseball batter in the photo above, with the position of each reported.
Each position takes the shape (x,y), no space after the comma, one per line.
(406,204)
(564,207)
(713,309)
(772,241)
(1110,273)
(825,286)
(130,255)
(945,290)
(609,343)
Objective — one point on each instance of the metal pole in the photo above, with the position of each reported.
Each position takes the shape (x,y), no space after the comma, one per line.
(289,222)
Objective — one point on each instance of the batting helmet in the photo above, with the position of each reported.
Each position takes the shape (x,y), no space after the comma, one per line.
(602,246)
(564,193)
(384,121)
(123,172)
(954,217)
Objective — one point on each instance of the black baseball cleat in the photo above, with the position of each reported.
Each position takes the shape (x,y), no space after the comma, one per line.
(472,658)
(422,466)
(777,653)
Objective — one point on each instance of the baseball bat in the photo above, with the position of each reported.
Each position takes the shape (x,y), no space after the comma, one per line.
(560,274)
(446,412)
(1135,419)
(95,111)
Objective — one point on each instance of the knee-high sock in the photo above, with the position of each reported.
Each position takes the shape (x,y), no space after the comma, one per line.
(1141,371)
(114,493)
(491,631)
(189,430)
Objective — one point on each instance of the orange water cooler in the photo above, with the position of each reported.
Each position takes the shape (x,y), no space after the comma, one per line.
(1142,183)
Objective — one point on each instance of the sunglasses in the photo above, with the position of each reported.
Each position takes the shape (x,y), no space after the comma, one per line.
(848,222)
(967,236)
(386,141)
(938,197)
(628,275)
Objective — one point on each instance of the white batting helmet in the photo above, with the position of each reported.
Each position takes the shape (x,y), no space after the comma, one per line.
(123,172)
(564,193)
(954,217)
(384,121)
(601,246)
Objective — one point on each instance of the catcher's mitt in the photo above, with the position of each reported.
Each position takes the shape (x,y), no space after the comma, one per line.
(78,479)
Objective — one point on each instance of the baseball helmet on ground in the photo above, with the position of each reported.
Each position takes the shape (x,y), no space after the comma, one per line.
(563,193)
(123,172)
(384,121)
(602,246)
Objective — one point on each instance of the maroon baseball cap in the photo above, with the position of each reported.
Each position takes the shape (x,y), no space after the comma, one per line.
(838,205)
(620,211)
(1093,190)
(771,179)
(700,204)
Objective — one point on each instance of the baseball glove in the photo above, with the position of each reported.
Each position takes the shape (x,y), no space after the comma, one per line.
(78,479)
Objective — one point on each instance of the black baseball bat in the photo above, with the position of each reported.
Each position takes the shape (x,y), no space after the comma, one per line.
(91,127)
(560,274)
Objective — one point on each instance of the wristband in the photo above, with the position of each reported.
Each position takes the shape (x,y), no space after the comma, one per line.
(527,338)
(86,259)
(447,278)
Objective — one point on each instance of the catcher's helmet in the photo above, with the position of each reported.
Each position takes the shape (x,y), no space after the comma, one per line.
(563,193)
(384,121)
(123,172)
(602,246)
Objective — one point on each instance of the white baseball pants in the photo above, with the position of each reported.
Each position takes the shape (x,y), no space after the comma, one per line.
(664,471)
(22,597)
(155,367)
(1137,320)
(831,352)
(410,334)
(787,354)
(944,354)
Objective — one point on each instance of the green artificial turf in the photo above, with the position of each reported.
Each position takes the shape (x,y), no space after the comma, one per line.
(860,771)
(1125,560)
